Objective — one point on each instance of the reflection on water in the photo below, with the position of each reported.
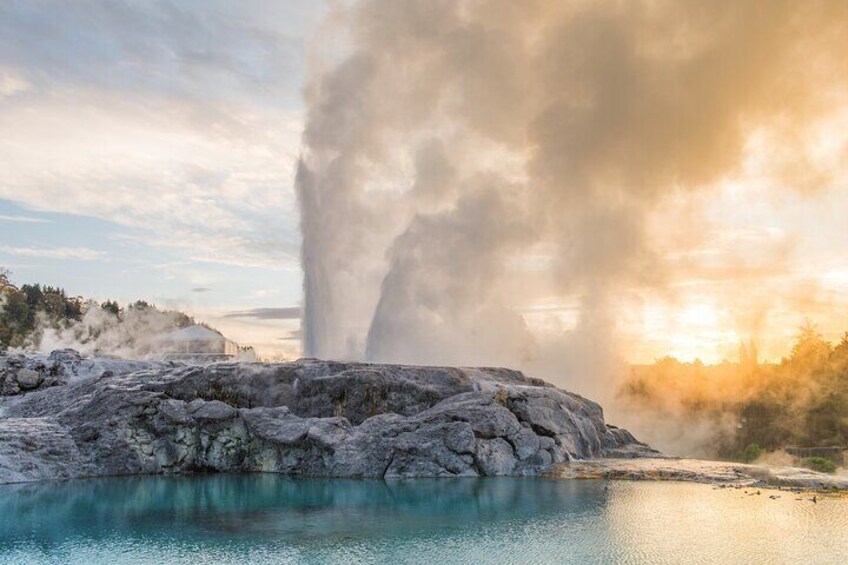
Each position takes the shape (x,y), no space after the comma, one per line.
(271,519)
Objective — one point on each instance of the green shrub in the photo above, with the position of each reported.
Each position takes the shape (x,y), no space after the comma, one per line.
(750,453)
(819,464)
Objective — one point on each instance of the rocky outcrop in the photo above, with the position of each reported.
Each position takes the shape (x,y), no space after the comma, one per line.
(23,373)
(310,418)
(19,373)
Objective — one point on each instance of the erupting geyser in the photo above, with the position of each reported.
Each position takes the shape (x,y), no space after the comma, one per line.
(466,159)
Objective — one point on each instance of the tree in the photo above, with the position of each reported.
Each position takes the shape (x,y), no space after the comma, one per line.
(53,304)
(840,352)
(141,305)
(810,350)
(5,282)
(14,319)
(74,307)
(112,306)
(33,293)
(826,420)
(765,423)
(26,312)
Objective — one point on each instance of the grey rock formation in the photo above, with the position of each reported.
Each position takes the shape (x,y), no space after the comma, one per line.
(22,373)
(309,418)
(19,373)
(28,379)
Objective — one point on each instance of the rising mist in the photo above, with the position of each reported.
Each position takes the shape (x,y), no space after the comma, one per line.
(465,163)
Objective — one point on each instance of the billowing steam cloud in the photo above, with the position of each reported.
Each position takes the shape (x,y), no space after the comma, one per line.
(133,335)
(470,159)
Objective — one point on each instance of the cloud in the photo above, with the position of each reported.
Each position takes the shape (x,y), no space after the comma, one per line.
(158,47)
(201,289)
(294,335)
(11,84)
(205,194)
(180,120)
(23,219)
(289,313)
(79,253)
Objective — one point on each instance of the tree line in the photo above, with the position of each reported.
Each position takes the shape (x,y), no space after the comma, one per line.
(748,408)
(27,310)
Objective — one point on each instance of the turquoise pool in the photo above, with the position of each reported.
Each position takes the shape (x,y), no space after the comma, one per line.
(257,519)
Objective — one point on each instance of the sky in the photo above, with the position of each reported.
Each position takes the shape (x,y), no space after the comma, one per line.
(149,150)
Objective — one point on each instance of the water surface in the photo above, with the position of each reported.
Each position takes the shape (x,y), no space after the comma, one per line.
(256,519)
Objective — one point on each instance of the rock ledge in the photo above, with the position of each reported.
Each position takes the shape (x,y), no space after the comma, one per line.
(308,418)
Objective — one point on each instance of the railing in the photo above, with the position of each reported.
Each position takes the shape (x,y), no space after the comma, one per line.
(835,454)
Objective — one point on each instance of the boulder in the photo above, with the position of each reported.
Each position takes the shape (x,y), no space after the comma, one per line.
(28,379)
(65,356)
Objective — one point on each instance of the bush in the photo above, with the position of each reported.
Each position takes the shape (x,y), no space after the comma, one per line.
(819,464)
(750,453)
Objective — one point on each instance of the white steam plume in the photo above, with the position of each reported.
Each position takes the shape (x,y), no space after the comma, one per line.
(459,137)
(133,335)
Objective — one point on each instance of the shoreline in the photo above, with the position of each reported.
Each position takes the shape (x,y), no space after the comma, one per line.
(718,473)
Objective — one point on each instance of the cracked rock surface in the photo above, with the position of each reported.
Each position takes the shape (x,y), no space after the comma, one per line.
(307,418)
